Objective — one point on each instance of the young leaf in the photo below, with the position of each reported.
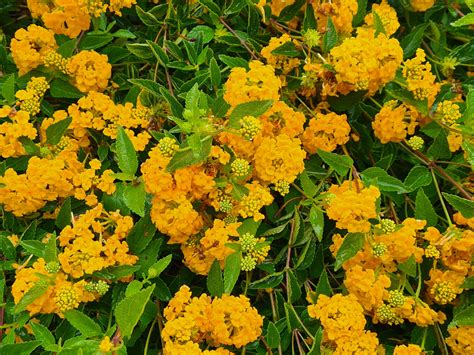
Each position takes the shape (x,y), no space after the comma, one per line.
(385,182)
(352,243)
(38,289)
(55,132)
(316,218)
(273,336)
(130,309)
(126,155)
(86,325)
(231,271)
(157,268)
(42,334)
(294,288)
(418,176)
(268,281)
(324,287)
(215,284)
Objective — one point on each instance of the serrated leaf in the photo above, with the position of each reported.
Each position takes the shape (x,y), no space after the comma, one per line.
(214,72)
(231,271)
(186,157)
(424,209)
(330,38)
(55,132)
(352,243)
(214,282)
(378,24)
(466,20)
(294,288)
(147,18)
(287,49)
(147,85)
(42,334)
(134,197)
(126,155)
(130,309)
(462,205)
(85,324)
(308,186)
(8,88)
(412,40)
(385,181)
(418,176)
(24,348)
(340,163)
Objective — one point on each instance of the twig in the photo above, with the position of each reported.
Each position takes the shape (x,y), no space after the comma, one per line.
(242,42)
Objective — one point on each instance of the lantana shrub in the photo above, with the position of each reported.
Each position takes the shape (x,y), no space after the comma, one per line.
(236,177)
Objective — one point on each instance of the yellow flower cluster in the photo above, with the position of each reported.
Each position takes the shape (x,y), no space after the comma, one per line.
(60,294)
(98,111)
(90,71)
(460,340)
(30,99)
(365,62)
(420,81)
(421,5)
(95,242)
(280,62)
(326,132)
(448,112)
(340,11)
(190,321)
(258,83)
(351,205)
(386,14)
(410,349)
(199,254)
(393,123)
(14,124)
(70,17)
(30,46)
(343,321)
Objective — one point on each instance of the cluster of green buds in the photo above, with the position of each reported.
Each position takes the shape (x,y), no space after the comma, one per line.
(167,146)
(253,251)
(100,287)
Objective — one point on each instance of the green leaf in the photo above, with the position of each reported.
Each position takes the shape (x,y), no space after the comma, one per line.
(24,348)
(361,12)
(62,89)
(268,281)
(55,132)
(424,209)
(157,268)
(466,20)
(31,148)
(233,62)
(407,97)
(8,88)
(439,149)
(126,155)
(409,266)
(287,49)
(42,334)
(340,163)
(462,205)
(254,108)
(206,32)
(378,24)
(140,50)
(134,197)
(38,289)
(95,40)
(385,181)
(64,216)
(50,251)
(330,38)
(352,243)
(468,283)
(214,72)
(309,21)
(130,309)
(147,85)
(412,41)
(316,218)
(294,288)
(214,282)
(308,186)
(186,157)
(231,271)
(147,18)
(418,176)
(463,318)
(141,235)
(324,287)
(34,247)
(273,336)
(86,325)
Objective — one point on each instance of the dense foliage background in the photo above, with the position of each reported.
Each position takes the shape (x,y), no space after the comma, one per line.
(311,158)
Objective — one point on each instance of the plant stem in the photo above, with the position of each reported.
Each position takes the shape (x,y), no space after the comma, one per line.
(441,199)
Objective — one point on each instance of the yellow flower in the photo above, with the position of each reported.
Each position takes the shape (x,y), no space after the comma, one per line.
(448,112)
(420,80)
(392,124)
(356,342)
(340,11)
(257,197)
(460,340)
(30,46)
(279,158)
(68,17)
(387,15)
(351,205)
(410,349)
(259,83)
(90,71)
(281,62)
(106,345)
(444,286)
(421,5)
(326,132)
